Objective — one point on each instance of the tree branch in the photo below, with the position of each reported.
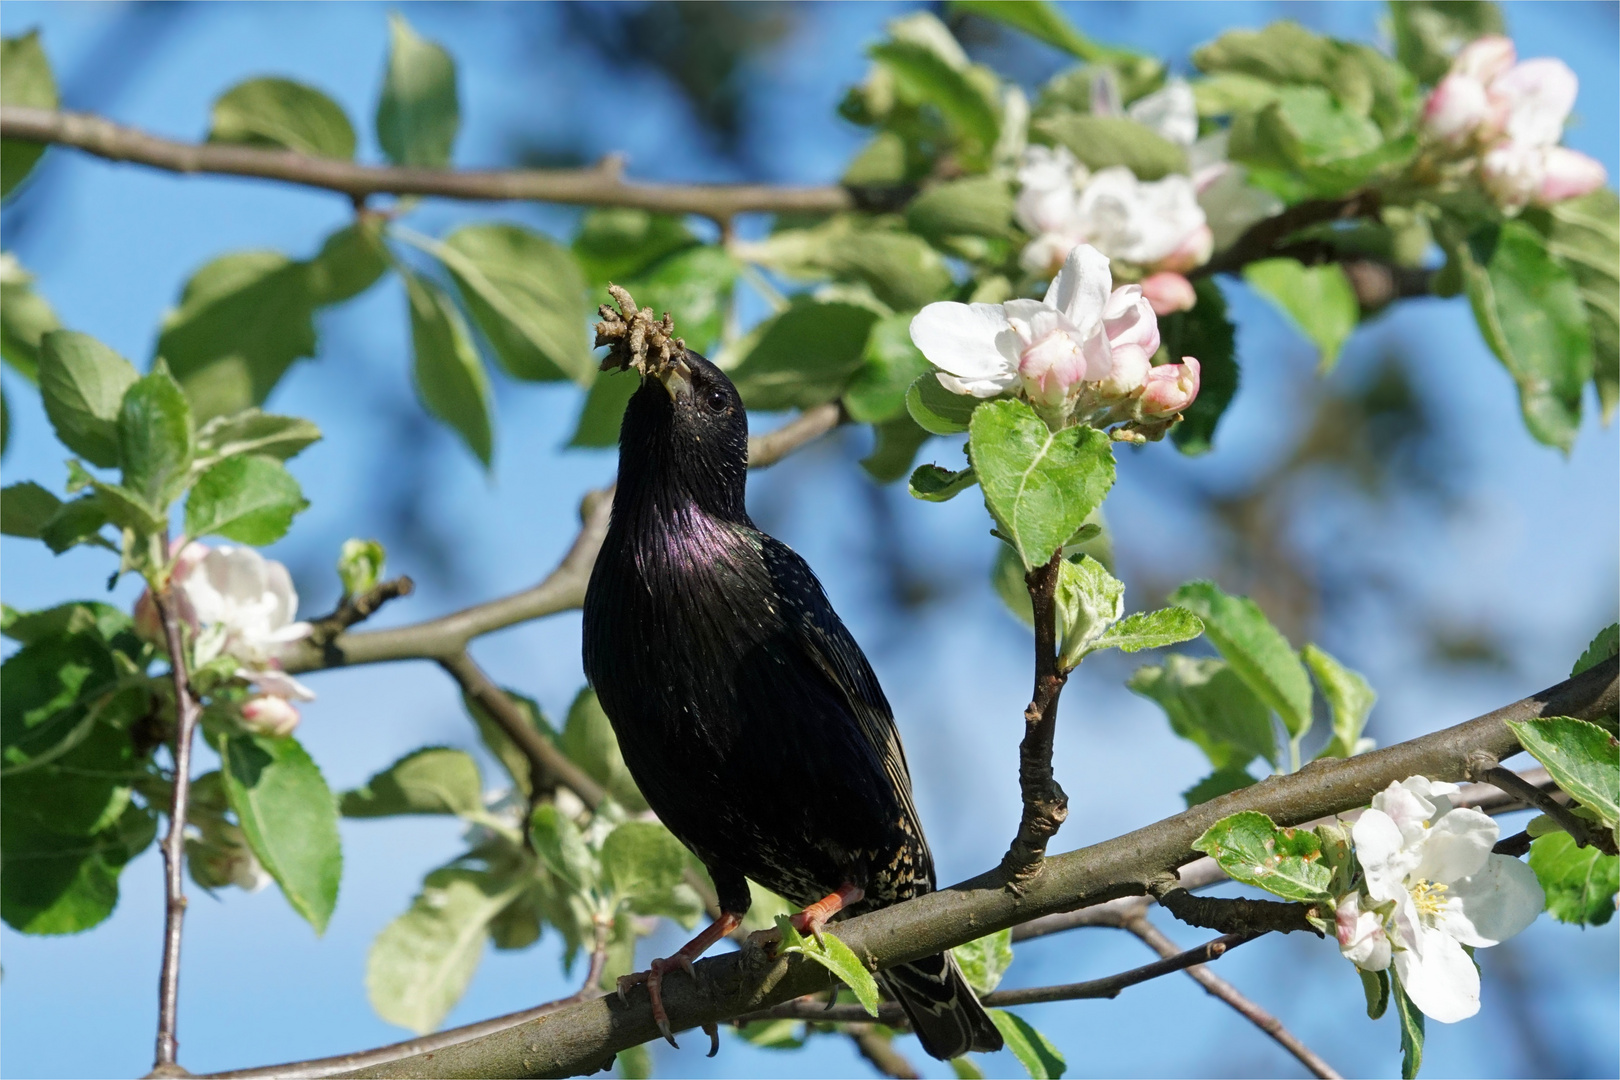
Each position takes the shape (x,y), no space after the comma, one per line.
(1264,239)
(878,1049)
(584,1036)
(1510,782)
(1233,915)
(1045,804)
(357,609)
(187,711)
(1228,993)
(600,185)
(561,590)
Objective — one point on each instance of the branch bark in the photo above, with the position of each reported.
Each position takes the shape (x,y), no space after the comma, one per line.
(584,1036)
(187,711)
(602,184)
(563,589)
(1045,804)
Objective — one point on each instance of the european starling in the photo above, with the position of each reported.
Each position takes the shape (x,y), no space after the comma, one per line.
(748,716)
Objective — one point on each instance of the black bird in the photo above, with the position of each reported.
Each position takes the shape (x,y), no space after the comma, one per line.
(748,716)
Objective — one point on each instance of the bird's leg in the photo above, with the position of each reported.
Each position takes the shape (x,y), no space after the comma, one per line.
(813,918)
(680,961)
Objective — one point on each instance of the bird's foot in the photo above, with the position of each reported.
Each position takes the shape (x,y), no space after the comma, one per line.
(653,977)
(812,920)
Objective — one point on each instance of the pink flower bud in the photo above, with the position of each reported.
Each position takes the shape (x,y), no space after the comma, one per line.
(1193,251)
(1568,174)
(1484,58)
(1456,109)
(266,714)
(1167,293)
(1361,935)
(1050,366)
(1512,173)
(1170,388)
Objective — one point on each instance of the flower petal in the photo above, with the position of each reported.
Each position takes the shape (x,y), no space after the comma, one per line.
(1081,288)
(1439,977)
(1456,846)
(1384,855)
(966,340)
(1492,905)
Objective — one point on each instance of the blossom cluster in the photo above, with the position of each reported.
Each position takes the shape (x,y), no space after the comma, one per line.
(1085,350)
(1431,889)
(239,604)
(1508,116)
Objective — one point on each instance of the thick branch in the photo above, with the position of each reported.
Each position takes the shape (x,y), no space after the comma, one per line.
(187,711)
(1045,804)
(584,1036)
(1234,915)
(599,185)
(562,590)
(1228,993)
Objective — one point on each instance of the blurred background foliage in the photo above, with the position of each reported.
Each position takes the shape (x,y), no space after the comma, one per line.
(1396,511)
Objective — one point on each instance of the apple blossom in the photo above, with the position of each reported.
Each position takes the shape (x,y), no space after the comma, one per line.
(1536,96)
(1456,109)
(242,603)
(1361,934)
(1170,111)
(1431,867)
(269,714)
(1568,174)
(1049,347)
(1170,388)
(1485,57)
(1147,223)
(218,855)
(1168,292)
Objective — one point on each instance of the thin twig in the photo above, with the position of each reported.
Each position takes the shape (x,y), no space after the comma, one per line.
(599,185)
(1228,993)
(1510,781)
(1264,238)
(357,609)
(187,711)
(1045,804)
(878,1049)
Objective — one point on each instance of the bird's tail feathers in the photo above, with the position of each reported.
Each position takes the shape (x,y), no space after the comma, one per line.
(943,1009)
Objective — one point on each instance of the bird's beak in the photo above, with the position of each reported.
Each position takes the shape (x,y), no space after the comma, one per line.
(677,379)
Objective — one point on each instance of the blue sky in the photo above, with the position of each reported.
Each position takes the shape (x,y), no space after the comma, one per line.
(1528,549)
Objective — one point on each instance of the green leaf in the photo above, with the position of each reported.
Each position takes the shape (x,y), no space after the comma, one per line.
(935,484)
(694,286)
(1101,142)
(1428,33)
(976,206)
(1605,645)
(615,243)
(1038,484)
(282,113)
(75,617)
(78,521)
(116,505)
(518,924)
(1411,1029)
(25,508)
(77,793)
(1348,696)
(433,780)
(1037,18)
(418,114)
(527,295)
(1583,759)
(1251,849)
(642,860)
(923,77)
(156,440)
(1207,333)
(602,411)
(250,498)
(1256,650)
(588,740)
(774,1034)
(513,759)
(449,377)
(49,693)
(360,565)
(1218,783)
(890,364)
(1211,707)
(895,449)
(937,410)
(1531,313)
(558,842)
(1375,985)
(1033,1050)
(253,432)
(25,79)
(289,818)
(1580,882)
(421,963)
(1585,234)
(25,317)
(836,957)
(351,260)
(1089,600)
(634,1063)
(900,268)
(1150,630)
(83,383)
(963,1068)
(56,884)
(804,356)
(242,320)
(985,960)
(1318,300)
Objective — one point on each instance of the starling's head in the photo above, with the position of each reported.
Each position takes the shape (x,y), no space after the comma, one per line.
(685,435)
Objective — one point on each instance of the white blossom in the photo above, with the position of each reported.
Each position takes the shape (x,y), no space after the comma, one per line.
(1435,887)
(1171,111)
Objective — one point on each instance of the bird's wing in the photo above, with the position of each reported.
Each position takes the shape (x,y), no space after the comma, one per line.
(830,651)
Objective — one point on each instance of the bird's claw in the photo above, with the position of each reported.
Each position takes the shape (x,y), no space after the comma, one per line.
(712,1030)
(653,977)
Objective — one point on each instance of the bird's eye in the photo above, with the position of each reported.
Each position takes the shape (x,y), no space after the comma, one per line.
(715,399)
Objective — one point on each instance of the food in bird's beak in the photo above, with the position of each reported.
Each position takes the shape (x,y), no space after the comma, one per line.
(676,375)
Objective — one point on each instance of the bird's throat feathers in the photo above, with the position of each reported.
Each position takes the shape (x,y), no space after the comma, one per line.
(674,464)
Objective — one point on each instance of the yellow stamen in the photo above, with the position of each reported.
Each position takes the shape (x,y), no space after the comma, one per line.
(1428,896)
